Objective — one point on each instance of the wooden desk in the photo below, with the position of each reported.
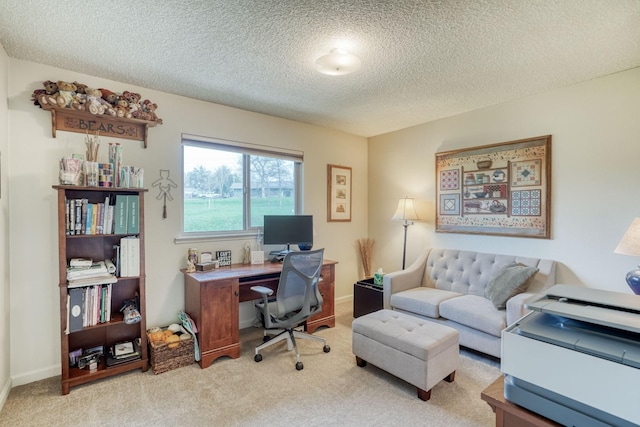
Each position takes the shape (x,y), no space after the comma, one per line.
(509,414)
(212,298)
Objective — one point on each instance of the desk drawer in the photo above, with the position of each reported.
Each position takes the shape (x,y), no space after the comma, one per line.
(246,294)
(326,287)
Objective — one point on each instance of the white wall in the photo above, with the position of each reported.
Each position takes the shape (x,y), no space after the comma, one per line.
(34,298)
(5,378)
(595,128)
(595,178)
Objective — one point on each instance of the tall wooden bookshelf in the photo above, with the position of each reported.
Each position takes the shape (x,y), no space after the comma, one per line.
(99,247)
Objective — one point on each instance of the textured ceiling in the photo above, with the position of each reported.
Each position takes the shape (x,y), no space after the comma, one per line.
(421,60)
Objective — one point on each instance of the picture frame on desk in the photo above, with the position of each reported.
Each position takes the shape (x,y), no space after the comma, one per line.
(224,258)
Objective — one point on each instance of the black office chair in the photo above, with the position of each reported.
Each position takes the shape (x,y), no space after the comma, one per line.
(296,300)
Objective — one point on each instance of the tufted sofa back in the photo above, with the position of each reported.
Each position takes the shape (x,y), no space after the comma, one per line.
(469,272)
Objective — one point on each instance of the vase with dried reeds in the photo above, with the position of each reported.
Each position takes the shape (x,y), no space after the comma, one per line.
(365,250)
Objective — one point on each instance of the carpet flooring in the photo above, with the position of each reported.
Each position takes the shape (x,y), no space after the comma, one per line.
(331,390)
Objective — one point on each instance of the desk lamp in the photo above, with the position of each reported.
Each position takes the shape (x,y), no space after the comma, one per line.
(405,212)
(630,245)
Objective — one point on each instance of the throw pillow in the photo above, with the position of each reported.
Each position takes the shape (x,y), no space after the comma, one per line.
(509,281)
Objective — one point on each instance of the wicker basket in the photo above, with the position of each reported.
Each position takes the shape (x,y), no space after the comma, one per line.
(483,164)
(164,359)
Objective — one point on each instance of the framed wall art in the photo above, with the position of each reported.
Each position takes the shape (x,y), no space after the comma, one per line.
(338,193)
(500,189)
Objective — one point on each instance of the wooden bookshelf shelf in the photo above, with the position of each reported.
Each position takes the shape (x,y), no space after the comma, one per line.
(70,120)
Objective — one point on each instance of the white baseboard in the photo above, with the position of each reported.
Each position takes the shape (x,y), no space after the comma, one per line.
(38,375)
(4,394)
(344,298)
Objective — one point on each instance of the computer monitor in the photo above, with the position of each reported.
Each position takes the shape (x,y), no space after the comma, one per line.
(288,230)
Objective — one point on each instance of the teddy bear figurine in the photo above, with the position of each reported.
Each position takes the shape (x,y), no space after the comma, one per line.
(134,101)
(66,91)
(150,111)
(80,88)
(78,100)
(96,105)
(93,103)
(109,96)
(48,95)
(122,108)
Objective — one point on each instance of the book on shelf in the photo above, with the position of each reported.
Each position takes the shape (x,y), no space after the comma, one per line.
(107,225)
(71,220)
(116,259)
(90,281)
(94,220)
(97,268)
(89,216)
(80,262)
(120,220)
(75,311)
(129,256)
(133,226)
(127,212)
(83,224)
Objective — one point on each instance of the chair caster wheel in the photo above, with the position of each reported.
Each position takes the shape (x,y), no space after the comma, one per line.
(326,349)
(257,357)
(299,366)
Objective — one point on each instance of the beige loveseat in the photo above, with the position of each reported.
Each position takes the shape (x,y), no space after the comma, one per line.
(449,286)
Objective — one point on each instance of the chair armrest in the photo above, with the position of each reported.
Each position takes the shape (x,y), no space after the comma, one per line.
(399,281)
(262,290)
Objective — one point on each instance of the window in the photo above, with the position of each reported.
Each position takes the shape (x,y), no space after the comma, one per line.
(230,186)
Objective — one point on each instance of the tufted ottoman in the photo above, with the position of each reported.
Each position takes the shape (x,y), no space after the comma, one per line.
(418,351)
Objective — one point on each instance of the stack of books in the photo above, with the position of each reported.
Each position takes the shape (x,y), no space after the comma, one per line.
(85,272)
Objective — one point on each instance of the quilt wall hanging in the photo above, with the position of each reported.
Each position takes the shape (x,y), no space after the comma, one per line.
(499,189)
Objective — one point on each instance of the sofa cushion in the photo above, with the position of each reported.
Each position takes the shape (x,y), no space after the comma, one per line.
(467,272)
(475,312)
(509,281)
(421,301)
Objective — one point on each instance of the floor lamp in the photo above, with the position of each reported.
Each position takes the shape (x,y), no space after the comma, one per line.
(406,212)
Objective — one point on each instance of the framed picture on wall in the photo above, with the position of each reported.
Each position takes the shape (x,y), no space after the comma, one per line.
(500,189)
(338,193)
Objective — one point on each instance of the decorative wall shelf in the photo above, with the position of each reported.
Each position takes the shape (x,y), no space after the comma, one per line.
(70,120)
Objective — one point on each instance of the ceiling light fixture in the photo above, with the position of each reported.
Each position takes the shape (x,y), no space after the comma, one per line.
(337,63)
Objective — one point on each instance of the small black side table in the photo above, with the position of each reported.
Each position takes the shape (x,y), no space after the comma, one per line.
(367,297)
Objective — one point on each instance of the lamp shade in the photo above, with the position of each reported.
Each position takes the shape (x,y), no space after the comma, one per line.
(337,63)
(405,211)
(630,243)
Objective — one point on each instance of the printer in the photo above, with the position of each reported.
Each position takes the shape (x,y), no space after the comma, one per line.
(575,358)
